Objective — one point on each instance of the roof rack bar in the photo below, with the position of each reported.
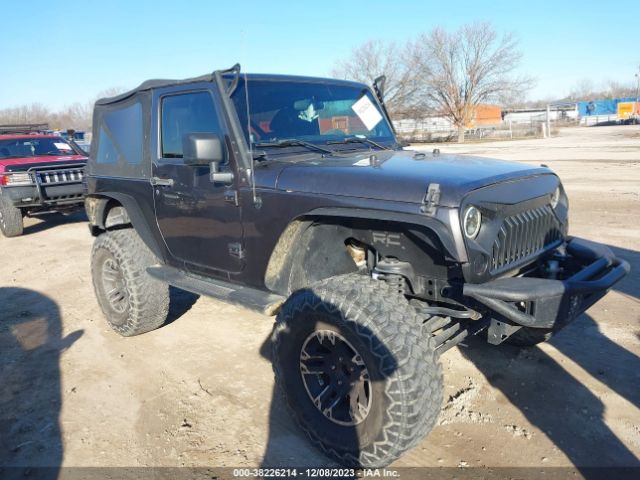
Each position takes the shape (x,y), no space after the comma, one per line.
(24,128)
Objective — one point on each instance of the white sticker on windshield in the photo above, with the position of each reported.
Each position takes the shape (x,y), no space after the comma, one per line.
(367,112)
(62,146)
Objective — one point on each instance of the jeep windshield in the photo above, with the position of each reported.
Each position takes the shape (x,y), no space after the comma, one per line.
(296,115)
(34,147)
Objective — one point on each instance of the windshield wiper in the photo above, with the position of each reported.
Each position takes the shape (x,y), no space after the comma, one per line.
(293,142)
(358,140)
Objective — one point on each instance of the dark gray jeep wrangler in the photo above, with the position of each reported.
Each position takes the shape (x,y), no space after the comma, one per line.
(292,196)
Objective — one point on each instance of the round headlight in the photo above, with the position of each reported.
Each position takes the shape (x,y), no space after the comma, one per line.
(555,197)
(471,222)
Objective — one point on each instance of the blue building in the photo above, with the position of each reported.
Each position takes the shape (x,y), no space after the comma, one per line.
(601,107)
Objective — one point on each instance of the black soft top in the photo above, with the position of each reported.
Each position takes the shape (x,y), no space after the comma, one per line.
(159,83)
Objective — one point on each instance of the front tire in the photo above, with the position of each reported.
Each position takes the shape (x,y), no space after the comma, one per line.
(132,301)
(11,223)
(355,373)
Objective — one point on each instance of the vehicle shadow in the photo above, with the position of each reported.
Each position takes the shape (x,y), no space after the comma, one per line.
(630,285)
(554,400)
(585,343)
(52,220)
(31,343)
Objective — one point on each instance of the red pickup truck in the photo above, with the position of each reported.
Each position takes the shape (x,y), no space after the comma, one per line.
(39,173)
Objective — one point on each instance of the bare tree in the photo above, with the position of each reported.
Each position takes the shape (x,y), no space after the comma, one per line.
(396,62)
(583,90)
(33,113)
(463,69)
(77,115)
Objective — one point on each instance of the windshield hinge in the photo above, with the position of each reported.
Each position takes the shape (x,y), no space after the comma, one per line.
(431,200)
(378,88)
(233,84)
(231,196)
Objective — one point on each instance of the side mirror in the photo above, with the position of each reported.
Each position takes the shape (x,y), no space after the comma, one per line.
(202,149)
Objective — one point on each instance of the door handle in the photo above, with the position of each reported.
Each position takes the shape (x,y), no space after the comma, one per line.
(161,182)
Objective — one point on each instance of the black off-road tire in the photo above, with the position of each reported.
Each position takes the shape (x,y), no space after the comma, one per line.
(11,223)
(406,376)
(529,337)
(140,303)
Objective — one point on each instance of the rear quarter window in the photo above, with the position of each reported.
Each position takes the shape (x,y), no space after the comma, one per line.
(125,129)
(120,149)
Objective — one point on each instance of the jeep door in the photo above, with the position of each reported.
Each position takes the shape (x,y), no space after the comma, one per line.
(198,219)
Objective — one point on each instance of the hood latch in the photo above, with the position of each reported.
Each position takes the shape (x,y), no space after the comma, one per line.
(431,200)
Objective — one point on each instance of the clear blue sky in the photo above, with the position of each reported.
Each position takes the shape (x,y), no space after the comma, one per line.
(65,51)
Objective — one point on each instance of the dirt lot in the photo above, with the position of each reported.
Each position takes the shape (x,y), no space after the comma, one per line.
(198,392)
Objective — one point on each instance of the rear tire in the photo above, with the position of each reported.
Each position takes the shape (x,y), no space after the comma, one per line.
(354,371)
(132,301)
(11,223)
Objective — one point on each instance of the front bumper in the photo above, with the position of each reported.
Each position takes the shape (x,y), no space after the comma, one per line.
(30,196)
(52,187)
(590,269)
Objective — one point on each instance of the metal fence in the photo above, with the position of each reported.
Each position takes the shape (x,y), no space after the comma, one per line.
(428,131)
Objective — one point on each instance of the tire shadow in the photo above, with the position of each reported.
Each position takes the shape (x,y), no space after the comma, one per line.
(287,445)
(31,343)
(180,302)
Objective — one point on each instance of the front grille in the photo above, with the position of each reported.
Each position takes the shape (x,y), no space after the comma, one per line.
(524,235)
(59,177)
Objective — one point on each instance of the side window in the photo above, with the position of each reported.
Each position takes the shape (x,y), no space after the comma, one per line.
(183,114)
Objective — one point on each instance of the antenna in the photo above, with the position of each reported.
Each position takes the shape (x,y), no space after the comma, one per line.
(256,201)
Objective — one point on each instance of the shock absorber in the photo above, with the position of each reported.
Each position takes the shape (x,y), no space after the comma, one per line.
(395,281)
(394,272)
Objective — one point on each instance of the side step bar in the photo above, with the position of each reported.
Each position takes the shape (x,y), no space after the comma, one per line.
(267,303)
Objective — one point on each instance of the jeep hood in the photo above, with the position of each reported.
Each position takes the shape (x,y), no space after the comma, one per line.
(400,176)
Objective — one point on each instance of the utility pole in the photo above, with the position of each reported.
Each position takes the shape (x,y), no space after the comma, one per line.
(548,121)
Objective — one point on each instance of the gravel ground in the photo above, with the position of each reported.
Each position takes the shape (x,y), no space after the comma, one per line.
(198,391)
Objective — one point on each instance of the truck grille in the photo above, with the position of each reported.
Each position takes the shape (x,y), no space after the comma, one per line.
(58,177)
(524,235)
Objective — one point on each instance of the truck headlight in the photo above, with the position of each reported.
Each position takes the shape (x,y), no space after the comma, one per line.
(555,197)
(20,178)
(472,221)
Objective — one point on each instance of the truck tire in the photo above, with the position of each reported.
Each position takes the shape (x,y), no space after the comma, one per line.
(11,223)
(529,337)
(132,301)
(354,371)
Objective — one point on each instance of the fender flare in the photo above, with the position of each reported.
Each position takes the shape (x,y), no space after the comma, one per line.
(100,219)
(445,225)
